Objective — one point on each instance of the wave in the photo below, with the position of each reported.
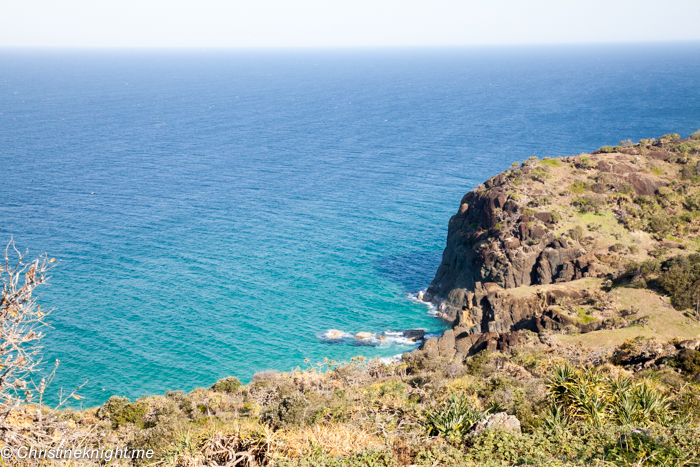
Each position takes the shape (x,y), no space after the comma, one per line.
(392,359)
(381,339)
(432,308)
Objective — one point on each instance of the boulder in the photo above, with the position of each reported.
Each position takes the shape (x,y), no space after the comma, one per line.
(644,184)
(414,334)
(430,347)
(364,335)
(691,344)
(446,344)
(497,421)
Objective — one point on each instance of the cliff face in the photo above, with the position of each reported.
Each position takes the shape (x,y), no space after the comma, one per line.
(494,238)
(552,222)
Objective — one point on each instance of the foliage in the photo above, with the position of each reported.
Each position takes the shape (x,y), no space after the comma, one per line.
(453,420)
(578,187)
(586,162)
(597,399)
(577,233)
(589,203)
(552,162)
(688,360)
(229,385)
(680,277)
(119,411)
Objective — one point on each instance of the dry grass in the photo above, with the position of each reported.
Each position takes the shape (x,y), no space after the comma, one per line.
(662,321)
(331,439)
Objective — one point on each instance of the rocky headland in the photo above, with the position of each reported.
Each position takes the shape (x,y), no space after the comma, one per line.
(537,247)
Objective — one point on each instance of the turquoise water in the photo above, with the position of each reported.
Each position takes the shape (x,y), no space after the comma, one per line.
(216,212)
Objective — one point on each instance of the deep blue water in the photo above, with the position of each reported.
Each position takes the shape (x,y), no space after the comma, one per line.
(215,212)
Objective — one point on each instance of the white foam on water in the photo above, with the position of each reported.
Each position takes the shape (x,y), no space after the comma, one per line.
(432,309)
(392,359)
(382,339)
(334,335)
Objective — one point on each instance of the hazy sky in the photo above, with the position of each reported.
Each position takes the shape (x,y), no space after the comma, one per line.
(332,23)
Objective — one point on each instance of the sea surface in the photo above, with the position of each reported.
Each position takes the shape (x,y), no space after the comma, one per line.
(216,212)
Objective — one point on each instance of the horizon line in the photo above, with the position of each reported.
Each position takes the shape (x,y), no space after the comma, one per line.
(343,47)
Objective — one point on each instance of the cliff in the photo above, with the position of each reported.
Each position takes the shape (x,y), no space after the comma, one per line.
(532,246)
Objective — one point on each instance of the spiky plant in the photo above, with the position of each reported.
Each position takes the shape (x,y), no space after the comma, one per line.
(453,420)
(594,398)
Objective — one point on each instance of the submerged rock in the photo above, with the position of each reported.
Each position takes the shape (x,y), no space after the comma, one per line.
(334,334)
(414,334)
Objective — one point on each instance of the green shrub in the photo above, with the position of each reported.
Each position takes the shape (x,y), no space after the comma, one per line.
(290,410)
(578,188)
(669,137)
(589,203)
(626,189)
(688,360)
(681,280)
(577,233)
(453,420)
(120,411)
(683,148)
(586,162)
(696,135)
(551,162)
(689,171)
(539,175)
(639,448)
(586,395)
(606,149)
(659,223)
(228,385)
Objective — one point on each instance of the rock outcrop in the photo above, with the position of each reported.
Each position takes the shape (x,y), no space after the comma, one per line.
(518,246)
(493,239)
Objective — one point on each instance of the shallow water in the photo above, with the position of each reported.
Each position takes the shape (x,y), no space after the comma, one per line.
(215,213)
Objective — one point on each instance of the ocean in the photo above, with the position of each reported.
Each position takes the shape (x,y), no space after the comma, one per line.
(215,213)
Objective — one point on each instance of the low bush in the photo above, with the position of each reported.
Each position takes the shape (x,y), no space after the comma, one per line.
(453,420)
(552,162)
(228,385)
(120,411)
(578,187)
(688,360)
(680,278)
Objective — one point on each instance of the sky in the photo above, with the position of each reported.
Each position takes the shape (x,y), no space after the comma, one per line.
(341,23)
